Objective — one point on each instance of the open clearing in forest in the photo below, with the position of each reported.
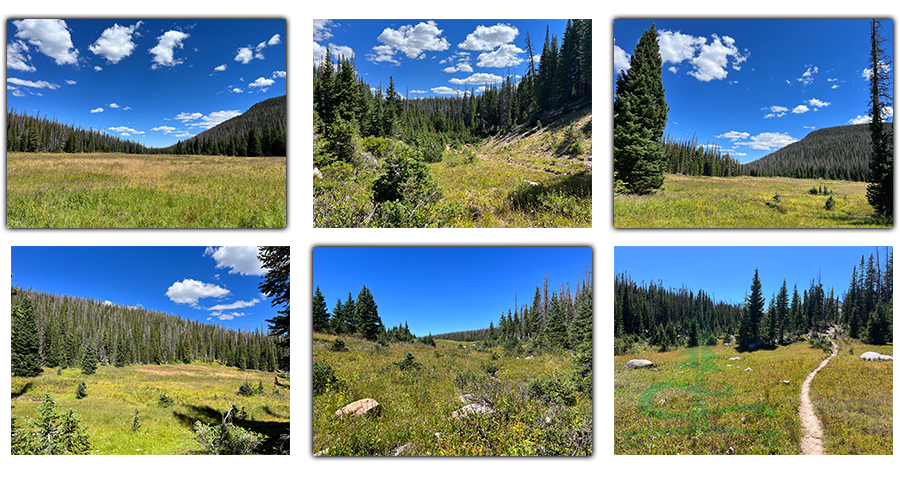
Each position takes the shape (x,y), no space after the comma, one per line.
(701,401)
(536,410)
(114,190)
(745,202)
(201,392)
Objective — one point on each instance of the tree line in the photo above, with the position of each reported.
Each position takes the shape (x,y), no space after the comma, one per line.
(65,330)
(357,318)
(653,315)
(260,131)
(345,106)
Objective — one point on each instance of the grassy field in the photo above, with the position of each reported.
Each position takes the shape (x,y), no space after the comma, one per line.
(111,190)
(699,401)
(416,403)
(745,202)
(201,392)
(518,179)
(854,400)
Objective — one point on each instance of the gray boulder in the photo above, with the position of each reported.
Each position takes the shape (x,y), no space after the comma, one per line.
(638,363)
(874,356)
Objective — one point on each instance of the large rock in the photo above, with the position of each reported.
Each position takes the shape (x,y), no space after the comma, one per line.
(638,363)
(472,409)
(359,408)
(874,356)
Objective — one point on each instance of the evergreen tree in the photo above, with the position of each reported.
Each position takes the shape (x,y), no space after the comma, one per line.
(277,285)
(556,324)
(639,118)
(25,356)
(753,313)
(781,307)
(254,147)
(89,359)
(368,323)
(880,191)
(320,312)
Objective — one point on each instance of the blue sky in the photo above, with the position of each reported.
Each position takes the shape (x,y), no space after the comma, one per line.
(216,285)
(753,86)
(434,57)
(727,271)
(445,289)
(154,81)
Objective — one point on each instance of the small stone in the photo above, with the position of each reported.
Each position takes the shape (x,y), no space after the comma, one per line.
(748,369)
(786,382)
(359,408)
(736,358)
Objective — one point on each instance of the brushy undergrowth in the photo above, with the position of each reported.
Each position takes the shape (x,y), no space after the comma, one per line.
(700,401)
(112,190)
(854,400)
(169,400)
(539,177)
(746,202)
(538,407)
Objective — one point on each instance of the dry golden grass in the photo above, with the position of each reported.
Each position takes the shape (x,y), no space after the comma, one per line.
(112,190)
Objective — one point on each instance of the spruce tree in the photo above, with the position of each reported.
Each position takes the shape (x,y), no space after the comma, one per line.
(880,192)
(320,312)
(753,313)
(25,356)
(639,118)
(368,323)
(89,359)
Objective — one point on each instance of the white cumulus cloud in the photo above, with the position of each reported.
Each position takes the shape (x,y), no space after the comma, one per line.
(411,40)
(115,43)
(322,29)
(504,56)
(818,103)
(488,38)
(31,84)
(800,109)
(621,60)
(768,140)
(17,58)
(97,110)
(50,36)
(478,78)
(244,55)
(164,51)
(189,291)
(709,60)
(220,68)
(240,259)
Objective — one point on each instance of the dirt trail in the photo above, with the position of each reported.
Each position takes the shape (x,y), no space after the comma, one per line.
(812,437)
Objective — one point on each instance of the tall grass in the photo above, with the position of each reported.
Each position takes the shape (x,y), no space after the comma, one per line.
(111,190)
(745,202)
(741,411)
(417,402)
(854,400)
(200,391)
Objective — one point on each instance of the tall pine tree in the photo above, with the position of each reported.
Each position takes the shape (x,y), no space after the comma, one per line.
(639,118)
(880,191)
(25,356)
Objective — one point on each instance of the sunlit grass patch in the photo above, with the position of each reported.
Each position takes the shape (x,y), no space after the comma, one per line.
(110,190)
(745,202)
(200,392)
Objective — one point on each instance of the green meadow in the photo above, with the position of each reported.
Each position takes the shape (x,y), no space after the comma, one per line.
(702,401)
(538,409)
(112,190)
(200,392)
(746,202)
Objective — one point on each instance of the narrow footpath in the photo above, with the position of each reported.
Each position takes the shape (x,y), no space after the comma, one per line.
(812,436)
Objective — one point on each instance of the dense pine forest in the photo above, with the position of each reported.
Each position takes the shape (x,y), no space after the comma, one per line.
(833,153)
(650,314)
(72,328)
(346,107)
(561,320)
(260,131)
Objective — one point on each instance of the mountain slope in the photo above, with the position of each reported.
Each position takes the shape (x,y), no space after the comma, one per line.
(266,120)
(837,153)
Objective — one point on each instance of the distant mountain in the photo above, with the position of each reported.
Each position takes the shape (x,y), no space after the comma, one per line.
(836,153)
(261,130)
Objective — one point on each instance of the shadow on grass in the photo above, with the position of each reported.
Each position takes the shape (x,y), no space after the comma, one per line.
(273,430)
(553,195)
(28,386)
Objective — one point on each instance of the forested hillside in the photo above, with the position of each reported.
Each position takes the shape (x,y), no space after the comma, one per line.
(835,153)
(68,327)
(260,131)
(345,106)
(33,133)
(650,314)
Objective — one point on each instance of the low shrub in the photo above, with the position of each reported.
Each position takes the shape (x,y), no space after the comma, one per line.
(81,391)
(164,400)
(555,389)
(407,363)
(52,433)
(227,439)
(323,378)
(339,346)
